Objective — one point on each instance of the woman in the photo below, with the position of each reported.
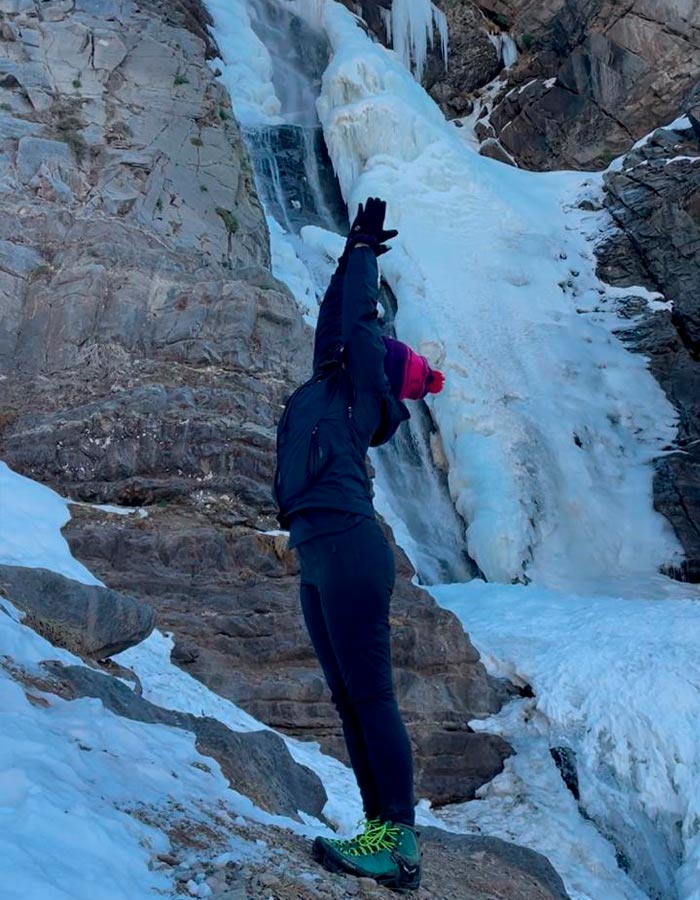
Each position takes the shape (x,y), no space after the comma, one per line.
(354,401)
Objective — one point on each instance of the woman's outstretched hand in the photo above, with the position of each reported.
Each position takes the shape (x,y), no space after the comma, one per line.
(368,227)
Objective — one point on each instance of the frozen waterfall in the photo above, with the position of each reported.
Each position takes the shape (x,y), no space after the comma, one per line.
(548,429)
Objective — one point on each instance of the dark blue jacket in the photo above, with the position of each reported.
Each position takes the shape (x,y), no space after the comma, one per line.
(347,405)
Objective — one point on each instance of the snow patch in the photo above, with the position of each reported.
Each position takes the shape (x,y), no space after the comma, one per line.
(138,511)
(75,780)
(30,528)
(617,678)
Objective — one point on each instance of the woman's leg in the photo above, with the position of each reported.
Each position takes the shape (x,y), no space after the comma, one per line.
(352,731)
(355,578)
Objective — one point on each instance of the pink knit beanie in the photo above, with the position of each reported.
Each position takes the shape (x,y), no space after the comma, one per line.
(409,374)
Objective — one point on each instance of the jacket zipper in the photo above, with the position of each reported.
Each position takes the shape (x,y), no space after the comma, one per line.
(316,454)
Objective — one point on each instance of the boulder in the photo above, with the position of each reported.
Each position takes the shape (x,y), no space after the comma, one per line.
(451,765)
(494,150)
(86,619)
(488,867)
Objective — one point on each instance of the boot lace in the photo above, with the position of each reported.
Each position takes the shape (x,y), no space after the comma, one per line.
(363,826)
(376,836)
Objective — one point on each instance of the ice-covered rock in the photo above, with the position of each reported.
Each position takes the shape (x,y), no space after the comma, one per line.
(86,619)
(256,763)
(653,196)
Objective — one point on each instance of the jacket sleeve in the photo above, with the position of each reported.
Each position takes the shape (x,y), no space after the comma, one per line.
(364,348)
(329,327)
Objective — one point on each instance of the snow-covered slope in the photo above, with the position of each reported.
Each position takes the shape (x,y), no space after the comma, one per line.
(75,780)
(89,796)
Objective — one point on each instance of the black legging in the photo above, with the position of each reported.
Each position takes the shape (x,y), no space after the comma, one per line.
(346,585)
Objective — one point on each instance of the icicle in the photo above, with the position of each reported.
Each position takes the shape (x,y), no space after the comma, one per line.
(505,47)
(509,51)
(386,19)
(413,25)
(311,11)
(440,20)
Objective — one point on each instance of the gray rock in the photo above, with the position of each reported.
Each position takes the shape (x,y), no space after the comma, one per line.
(52,163)
(109,50)
(494,150)
(28,77)
(257,763)
(13,128)
(655,202)
(452,765)
(16,6)
(57,10)
(677,496)
(692,109)
(473,59)
(88,620)
(19,260)
(497,868)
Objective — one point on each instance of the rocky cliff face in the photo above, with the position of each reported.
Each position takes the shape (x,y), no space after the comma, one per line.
(654,199)
(474,58)
(593,75)
(474,54)
(145,353)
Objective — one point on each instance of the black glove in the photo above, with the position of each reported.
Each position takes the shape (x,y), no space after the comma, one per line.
(368,227)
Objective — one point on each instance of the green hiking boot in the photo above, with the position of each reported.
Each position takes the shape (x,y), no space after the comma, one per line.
(365,827)
(387,852)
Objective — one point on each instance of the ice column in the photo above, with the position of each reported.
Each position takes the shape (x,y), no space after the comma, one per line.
(509,51)
(413,25)
(505,47)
